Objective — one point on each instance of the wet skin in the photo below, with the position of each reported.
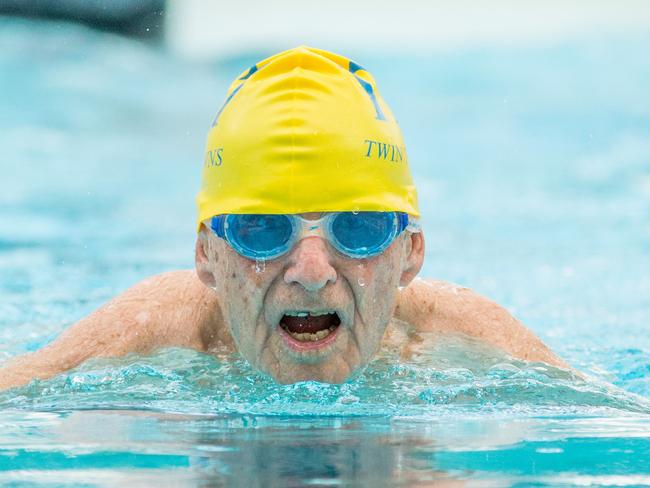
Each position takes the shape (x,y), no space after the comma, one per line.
(314,277)
(243,302)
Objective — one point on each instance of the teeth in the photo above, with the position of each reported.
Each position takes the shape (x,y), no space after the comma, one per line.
(307,337)
(305,313)
(317,314)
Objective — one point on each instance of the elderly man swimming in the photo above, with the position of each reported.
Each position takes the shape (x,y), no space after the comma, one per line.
(308,242)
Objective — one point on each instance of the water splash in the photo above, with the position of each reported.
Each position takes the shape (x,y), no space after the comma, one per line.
(456,374)
(260,266)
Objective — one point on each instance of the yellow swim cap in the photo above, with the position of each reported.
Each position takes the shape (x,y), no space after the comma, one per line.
(305,131)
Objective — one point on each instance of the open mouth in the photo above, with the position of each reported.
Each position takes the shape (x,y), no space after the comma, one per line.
(310,326)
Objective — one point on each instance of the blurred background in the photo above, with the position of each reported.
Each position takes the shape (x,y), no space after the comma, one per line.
(207,30)
(527,126)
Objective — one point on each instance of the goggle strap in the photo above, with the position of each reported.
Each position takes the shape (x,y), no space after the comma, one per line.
(402,221)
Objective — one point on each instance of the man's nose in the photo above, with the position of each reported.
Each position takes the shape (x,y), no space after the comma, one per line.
(310,265)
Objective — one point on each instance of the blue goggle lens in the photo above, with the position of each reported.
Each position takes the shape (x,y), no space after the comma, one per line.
(363,234)
(259,236)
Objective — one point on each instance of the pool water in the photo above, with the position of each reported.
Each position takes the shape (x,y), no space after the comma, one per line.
(534,178)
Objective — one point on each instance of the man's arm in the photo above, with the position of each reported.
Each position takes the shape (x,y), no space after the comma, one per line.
(438,305)
(171,309)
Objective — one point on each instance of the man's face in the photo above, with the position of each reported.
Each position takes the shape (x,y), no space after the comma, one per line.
(259,299)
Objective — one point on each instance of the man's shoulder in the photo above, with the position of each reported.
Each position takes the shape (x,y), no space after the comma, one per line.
(441,305)
(448,308)
(182,283)
(178,289)
(189,313)
(425,298)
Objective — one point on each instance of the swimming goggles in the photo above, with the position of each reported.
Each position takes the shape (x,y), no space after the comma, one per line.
(355,234)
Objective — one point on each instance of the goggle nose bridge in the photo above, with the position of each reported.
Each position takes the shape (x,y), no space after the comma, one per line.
(309,228)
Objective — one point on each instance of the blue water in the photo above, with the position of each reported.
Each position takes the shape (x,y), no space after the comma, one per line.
(534,173)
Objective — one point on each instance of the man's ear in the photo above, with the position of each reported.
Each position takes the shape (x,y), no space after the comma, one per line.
(414,257)
(201,261)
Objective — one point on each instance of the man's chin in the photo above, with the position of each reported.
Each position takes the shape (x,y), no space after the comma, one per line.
(333,363)
(330,370)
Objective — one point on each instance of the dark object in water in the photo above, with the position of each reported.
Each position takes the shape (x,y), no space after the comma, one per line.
(137,18)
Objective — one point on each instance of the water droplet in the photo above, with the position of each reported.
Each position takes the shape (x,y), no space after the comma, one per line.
(361,282)
(355,210)
(260,265)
